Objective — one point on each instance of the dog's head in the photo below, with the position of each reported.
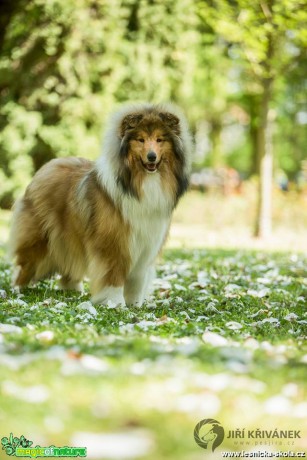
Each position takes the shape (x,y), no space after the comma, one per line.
(151,140)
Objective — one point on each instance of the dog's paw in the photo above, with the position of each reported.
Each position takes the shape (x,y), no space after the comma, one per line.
(109,295)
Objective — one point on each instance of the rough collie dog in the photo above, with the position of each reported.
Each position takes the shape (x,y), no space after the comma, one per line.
(106,219)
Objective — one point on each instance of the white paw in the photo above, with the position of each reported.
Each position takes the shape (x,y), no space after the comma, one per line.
(109,295)
(134,301)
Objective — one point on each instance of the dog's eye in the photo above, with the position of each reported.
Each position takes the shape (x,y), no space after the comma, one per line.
(141,140)
(159,140)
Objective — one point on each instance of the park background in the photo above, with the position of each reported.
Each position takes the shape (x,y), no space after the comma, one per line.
(238,70)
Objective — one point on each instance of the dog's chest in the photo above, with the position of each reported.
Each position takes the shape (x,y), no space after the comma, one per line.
(149,220)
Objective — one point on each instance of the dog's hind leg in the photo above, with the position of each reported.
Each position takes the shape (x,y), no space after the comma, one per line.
(28,244)
(67,283)
(28,260)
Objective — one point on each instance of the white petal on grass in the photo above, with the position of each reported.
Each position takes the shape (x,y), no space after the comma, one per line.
(202,278)
(86,364)
(291,317)
(251,343)
(179,287)
(211,307)
(202,318)
(237,367)
(234,325)
(185,314)
(84,318)
(145,325)
(232,287)
(93,363)
(118,446)
(187,345)
(3,294)
(261,293)
(45,336)
(214,339)
(35,394)
(270,320)
(15,362)
(214,382)
(10,329)
(259,312)
(129,327)
(60,305)
(162,284)
(88,307)
(18,302)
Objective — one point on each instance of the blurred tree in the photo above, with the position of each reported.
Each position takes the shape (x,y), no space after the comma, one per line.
(64,65)
(260,34)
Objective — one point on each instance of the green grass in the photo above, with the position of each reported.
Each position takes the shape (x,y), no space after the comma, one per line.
(223,337)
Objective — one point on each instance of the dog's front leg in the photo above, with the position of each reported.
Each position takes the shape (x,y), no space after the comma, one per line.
(138,286)
(113,294)
(107,285)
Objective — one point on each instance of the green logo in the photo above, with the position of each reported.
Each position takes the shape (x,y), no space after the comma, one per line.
(209,433)
(21,447)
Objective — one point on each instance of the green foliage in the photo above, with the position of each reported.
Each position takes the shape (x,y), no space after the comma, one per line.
(64,65)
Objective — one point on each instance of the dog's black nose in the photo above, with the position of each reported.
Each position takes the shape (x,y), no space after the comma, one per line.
(151,156)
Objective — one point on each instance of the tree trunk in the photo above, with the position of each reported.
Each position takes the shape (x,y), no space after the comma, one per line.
(263,227)
(253,133)
(215,140)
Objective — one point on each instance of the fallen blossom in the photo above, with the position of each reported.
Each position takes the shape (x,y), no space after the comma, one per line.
(60,305)
(214,339)
(10,329)
(45,336)
(291,317)
(234,325)
(232,287)
(35,394)
(88,307)
(18,302)
(261,293)
(179,287)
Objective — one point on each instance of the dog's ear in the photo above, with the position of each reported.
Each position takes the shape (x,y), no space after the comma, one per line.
(171,120)
(130,121)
